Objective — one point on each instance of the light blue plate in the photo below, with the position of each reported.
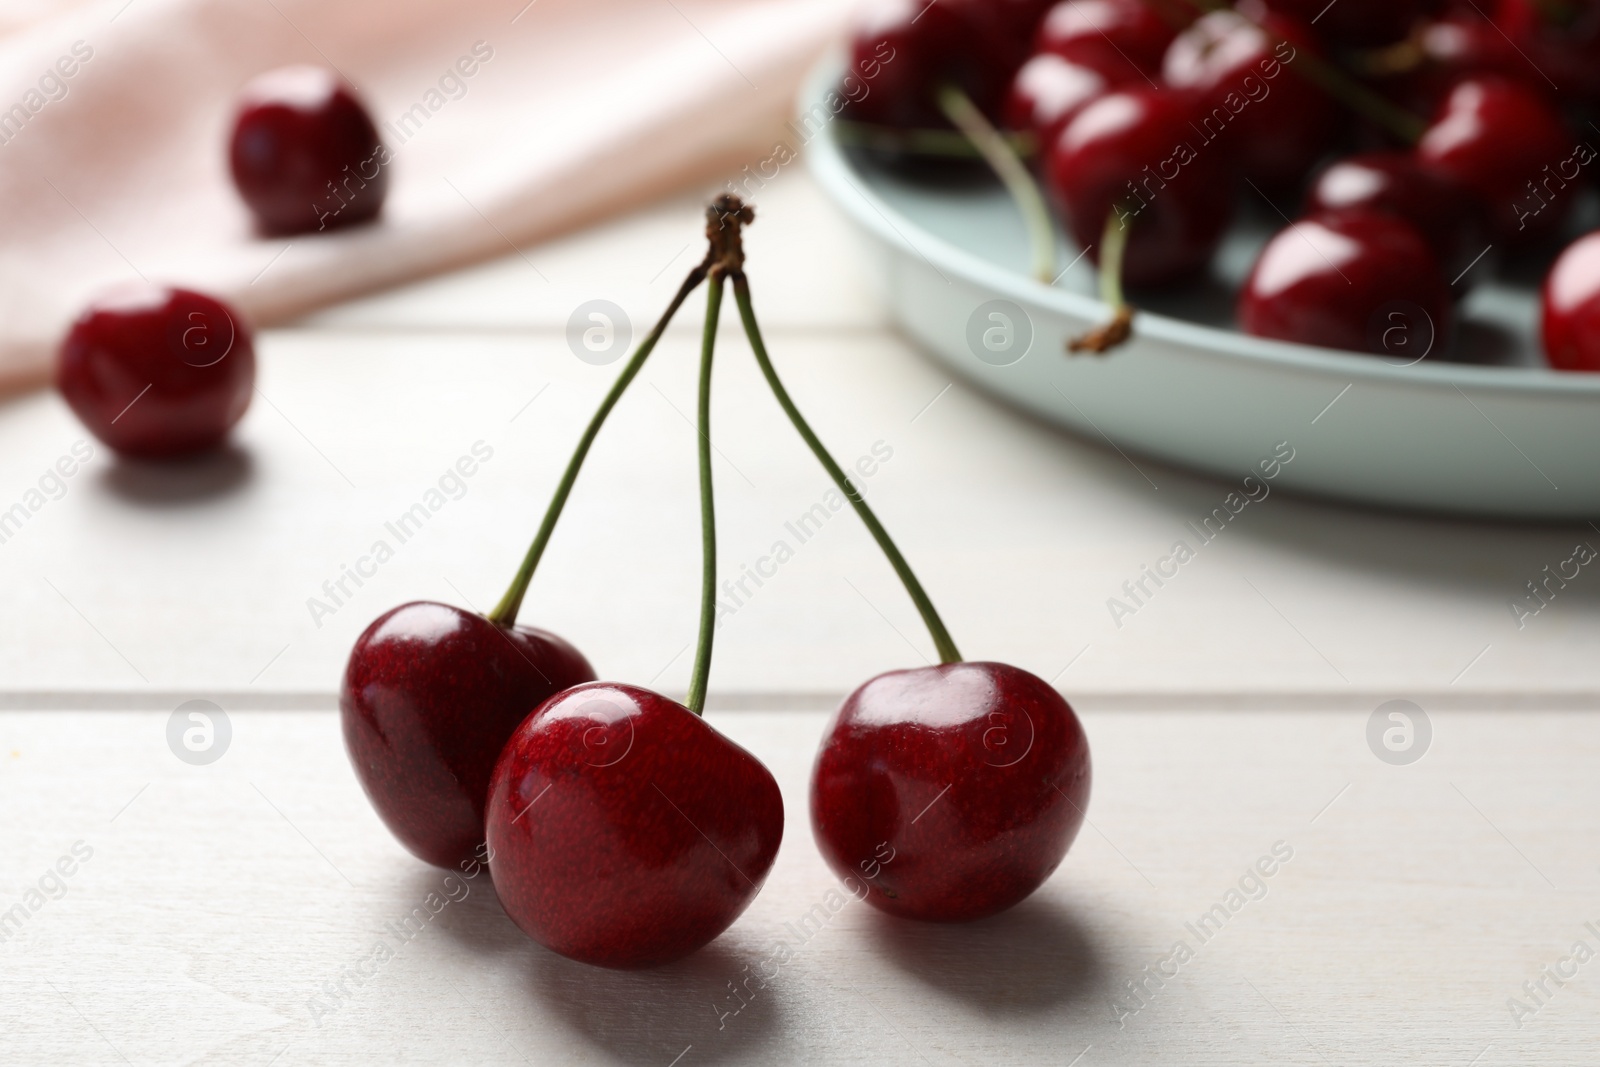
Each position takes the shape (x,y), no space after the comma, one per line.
(1505,437)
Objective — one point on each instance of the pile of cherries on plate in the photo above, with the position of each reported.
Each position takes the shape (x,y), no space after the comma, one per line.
(1420,140)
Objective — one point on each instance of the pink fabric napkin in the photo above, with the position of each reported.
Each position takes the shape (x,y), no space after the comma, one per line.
(114,120)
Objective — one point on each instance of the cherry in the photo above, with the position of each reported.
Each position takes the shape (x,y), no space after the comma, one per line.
(1506,144)
(430,695)
(624,831)
(1134,149)
(1394,182)
(915,48)
(1570,307)
(157,372)
(1254,99)
(973,777)
(1559,40)
(305,154)
(1356,279)
(1047,92)
(1123,40)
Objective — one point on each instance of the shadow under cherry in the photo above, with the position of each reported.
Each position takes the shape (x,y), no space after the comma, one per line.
(179,482)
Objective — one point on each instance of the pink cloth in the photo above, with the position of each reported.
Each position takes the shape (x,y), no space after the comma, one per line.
(114,123)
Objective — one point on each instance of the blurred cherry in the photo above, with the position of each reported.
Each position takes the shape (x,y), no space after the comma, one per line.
(1394,183)
(1254,102)
(1570,307)
(1136,149)
(1506,144)
(1047,92)
(157,372)
(1123,40)
(305,155)
(1355,279)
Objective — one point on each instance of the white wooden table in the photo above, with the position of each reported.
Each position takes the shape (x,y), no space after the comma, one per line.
(220,906)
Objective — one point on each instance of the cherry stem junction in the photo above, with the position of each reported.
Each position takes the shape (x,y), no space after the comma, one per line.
(936,628)
(1013,174)
(505,613)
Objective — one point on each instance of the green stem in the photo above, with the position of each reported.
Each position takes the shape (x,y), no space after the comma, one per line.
(941,636)
(1113,247)
(950,144)
(505,613)
(997,152)
(696,700)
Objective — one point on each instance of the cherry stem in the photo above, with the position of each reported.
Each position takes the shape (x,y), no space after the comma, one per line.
(1336,83)
(696,700)
(505,613)
(1013,174)
(936,628)
(1113,247)
(950,144)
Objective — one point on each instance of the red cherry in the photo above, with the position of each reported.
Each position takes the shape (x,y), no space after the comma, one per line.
(1135,148)
(157,372)
(305,155)
(1570,307)
(1504,142)
(1561,43)
(904,51)
(624,831)
(1122,39)
(950,792)
(1394,183)
(1253,100)
(1357,279)
(430,695)
(1047,92)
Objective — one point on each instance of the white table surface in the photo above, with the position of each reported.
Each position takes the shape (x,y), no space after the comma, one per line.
(1227,714)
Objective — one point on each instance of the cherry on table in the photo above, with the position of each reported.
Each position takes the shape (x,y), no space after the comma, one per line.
(1254,102)
(157,372)
(305,154)
(1132,149)
(1505,142)
(1355,279)
(624,831)
(951,792)
(1570,307)
(430,695)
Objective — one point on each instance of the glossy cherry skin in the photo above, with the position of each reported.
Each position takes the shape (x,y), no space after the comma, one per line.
(1047,92)
(430,695)
(157,372)
(1358,280)
(305,155)
(624,831)
(950,792)
(1254,102)
(905,50)
(1570,307)
(1505,143)
(1122,39)
(1395,183)
(1135,148)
